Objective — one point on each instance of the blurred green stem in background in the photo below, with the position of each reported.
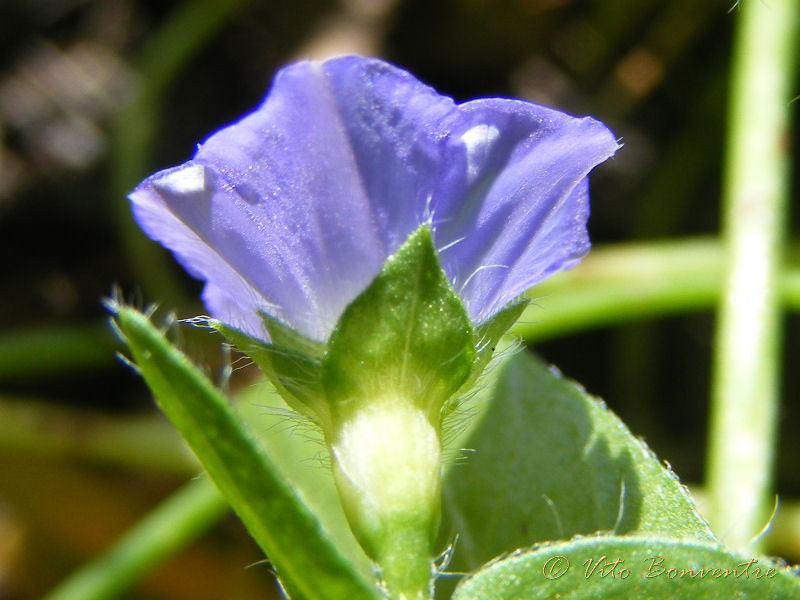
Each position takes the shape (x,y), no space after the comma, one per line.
(55,350)
(133,442)
(631,282)
(620,284)
(746,374)
(169,528)
(136,129)
(614,284)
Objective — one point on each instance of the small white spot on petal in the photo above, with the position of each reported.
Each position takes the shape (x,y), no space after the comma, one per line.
(478,141)
(188,180)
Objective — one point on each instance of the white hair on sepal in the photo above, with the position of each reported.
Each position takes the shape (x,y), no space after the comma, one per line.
(113,304)
(116,301)
(169,327)
(475,272)
(451,244)
(230,365)
(242,361)
(767,525)
(460,411)
(426,218)
(434,223)
(441,562)
(289,423)
(194,349)
(457,414)
(225,373)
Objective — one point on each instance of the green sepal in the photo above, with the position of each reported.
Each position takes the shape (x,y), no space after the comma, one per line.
(283,336)
(407,335)
(291,363)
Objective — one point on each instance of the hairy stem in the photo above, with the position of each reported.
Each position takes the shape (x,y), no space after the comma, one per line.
(747,353)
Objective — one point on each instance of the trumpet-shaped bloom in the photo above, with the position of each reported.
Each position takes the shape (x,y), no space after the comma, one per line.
(293,210)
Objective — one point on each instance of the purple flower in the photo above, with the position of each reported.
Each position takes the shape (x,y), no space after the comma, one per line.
(294,209)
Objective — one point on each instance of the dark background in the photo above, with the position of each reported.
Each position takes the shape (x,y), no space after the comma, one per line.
(94,96)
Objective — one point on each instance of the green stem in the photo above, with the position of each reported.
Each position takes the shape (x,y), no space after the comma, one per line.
(406,571)
(52,350)
(132,442)
(623,283)
(168,51)
(747,353)
(630,282)
(173,525)
(648,279)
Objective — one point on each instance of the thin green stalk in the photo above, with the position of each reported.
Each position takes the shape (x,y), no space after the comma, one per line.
(629,282)
(621,284)
(648,279)
(52,350)
(745,391)
(173,525)
(168,51)
(143,442)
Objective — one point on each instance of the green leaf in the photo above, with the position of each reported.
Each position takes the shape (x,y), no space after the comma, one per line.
(549,462)
(406,335)
(308,563)
(284,336)
(647,568)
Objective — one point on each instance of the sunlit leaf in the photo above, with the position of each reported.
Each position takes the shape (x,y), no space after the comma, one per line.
(308,563)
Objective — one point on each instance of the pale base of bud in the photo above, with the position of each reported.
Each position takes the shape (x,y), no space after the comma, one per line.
(387,467)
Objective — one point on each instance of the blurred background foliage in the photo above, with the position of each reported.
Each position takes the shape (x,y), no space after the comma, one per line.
(96,94)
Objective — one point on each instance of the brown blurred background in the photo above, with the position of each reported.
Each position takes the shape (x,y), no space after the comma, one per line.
(95,94)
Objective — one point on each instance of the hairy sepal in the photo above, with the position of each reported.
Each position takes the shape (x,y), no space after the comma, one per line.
(407,336)
(291,363)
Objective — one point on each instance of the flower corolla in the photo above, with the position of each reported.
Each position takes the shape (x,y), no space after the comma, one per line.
(293,210)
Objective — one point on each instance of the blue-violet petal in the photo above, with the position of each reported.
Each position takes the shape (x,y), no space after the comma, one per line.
(293,210)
